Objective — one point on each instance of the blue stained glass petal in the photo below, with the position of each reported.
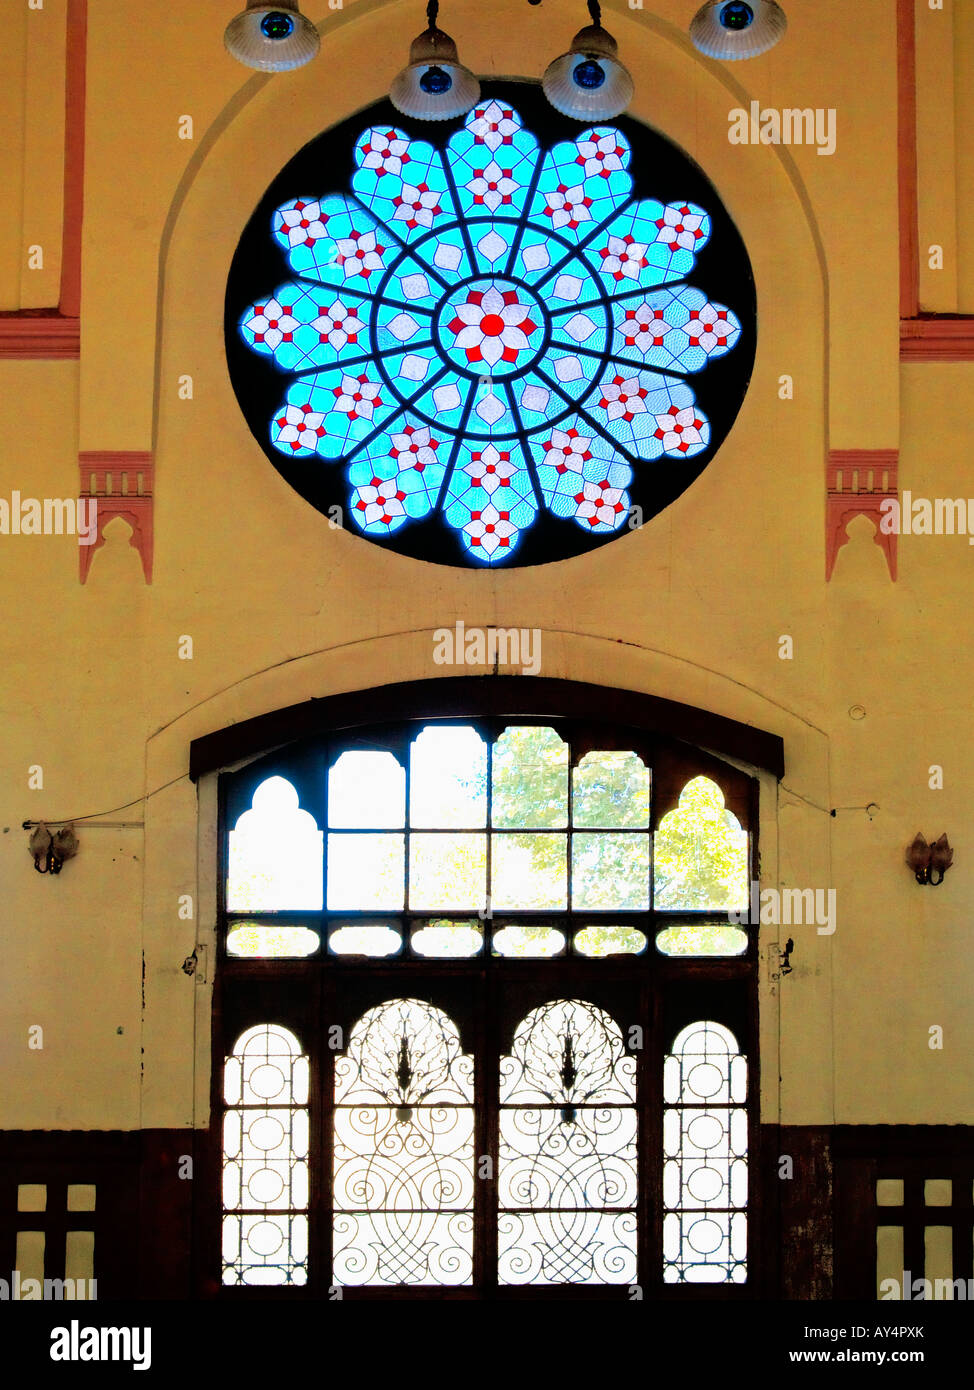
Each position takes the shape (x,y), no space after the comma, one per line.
(490,500)
(649,416)
(302,328)
(444,402)
(330,412)
(677,329)
(340,245)
(444,257)
(402,182)
(649,244)
(581,183)
(397,328)
(409,370)
(414,457)
(493,160)
(580,476)
(490,415)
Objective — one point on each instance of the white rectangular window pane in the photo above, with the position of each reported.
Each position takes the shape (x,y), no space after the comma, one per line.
(610,872)
(447,872)
(366,872)
(529,872)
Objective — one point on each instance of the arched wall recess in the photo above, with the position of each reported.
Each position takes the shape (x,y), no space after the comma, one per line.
(246,146)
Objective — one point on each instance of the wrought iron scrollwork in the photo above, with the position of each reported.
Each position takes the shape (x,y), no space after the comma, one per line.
(568,1173)
(404,1150)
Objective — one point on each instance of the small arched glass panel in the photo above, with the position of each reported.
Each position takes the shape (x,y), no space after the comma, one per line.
(366,791)
(275,854)
(610,791)
(700,855)
(529,780)
(529,941)
(250,940)
(449,940)
(448,779)
(404,1150)
(365,939)
(705,1158)
(702,939)
(265,1159)
(567,1170)
(610,941)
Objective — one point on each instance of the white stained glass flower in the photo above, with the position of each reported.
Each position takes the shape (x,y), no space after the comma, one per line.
(488,330)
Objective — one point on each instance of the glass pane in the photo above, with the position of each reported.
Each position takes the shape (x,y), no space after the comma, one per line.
(453,939)
(705,1157)
(567,1154)
(610,941)
(366,871)
(530,779)
(404,1150)
(700,855)
(610,791)
(529,941)
(529,872)
(370,939)
(265,1159)
(702,939)
(610,871)
(448,779)
(447,871)
(367,790)
(253,939)
(274,854)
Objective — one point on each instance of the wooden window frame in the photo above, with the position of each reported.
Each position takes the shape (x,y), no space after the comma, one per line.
(486,996)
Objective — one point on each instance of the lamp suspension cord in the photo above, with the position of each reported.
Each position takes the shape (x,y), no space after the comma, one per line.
(432,12)
(595,10)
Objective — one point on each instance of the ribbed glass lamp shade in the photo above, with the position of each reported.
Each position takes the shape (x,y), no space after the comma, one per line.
(588,82)
(435,86)
(271,38)
(737,28)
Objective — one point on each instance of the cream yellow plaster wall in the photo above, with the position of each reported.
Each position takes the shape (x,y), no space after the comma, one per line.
(280,607)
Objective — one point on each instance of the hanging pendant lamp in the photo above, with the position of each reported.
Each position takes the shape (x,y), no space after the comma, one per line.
(435,86)
(588,82)
(272,38)
(731,29)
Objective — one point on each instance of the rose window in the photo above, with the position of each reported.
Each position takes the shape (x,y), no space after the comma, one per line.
(502,348)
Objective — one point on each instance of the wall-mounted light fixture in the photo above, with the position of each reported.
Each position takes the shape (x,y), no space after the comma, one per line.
(730,29)
(435,85)
(50,851)
(929,862)
(271,38)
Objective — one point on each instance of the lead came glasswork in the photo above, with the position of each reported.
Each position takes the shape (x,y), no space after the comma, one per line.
(265,1159)
(489,331)
(705,1158)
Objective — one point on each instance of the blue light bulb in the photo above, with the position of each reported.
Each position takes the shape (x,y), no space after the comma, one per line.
(277,25)
(588,74)
(736,15)
(435,82)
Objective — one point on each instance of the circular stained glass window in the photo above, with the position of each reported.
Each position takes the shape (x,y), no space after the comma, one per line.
(500,340)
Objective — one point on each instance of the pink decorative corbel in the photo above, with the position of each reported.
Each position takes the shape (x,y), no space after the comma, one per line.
(121,484)
(858,481)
